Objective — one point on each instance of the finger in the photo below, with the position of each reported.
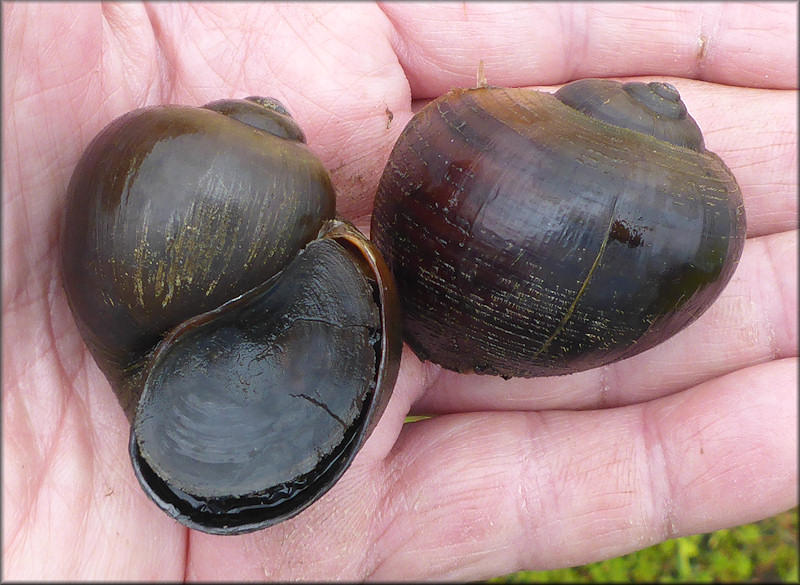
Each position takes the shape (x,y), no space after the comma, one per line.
(475,495)
(439,45)
(753,321)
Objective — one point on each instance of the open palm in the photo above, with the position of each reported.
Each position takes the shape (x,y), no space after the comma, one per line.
(694,435)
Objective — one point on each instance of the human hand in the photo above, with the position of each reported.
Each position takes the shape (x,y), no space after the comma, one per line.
(694,435)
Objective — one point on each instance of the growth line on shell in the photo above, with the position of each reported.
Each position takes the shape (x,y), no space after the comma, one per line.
(595,264)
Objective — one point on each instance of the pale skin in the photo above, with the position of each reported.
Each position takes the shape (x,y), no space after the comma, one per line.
(697,434)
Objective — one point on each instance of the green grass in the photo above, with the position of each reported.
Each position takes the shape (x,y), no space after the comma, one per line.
(765,551)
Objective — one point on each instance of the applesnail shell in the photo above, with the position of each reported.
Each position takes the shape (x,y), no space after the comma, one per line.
(251,337)
(536,234)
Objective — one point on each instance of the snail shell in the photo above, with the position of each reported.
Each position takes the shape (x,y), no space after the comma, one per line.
(535,234)
(251,337)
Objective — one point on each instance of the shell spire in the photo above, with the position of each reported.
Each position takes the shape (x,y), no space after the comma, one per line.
(654,108)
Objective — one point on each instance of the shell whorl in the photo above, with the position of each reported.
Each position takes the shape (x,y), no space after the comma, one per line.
(655,109)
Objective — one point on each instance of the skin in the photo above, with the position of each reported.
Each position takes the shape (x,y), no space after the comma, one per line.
(697,434)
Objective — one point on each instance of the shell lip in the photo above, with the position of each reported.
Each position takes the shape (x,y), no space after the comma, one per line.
(385,293)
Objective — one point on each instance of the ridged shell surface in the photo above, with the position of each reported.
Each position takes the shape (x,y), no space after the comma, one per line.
(528,239)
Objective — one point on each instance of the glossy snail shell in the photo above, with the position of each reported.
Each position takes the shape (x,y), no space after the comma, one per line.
(536,234)
(251,336)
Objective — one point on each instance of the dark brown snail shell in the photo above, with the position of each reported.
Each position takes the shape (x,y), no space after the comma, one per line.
(536,234)
(251,337)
